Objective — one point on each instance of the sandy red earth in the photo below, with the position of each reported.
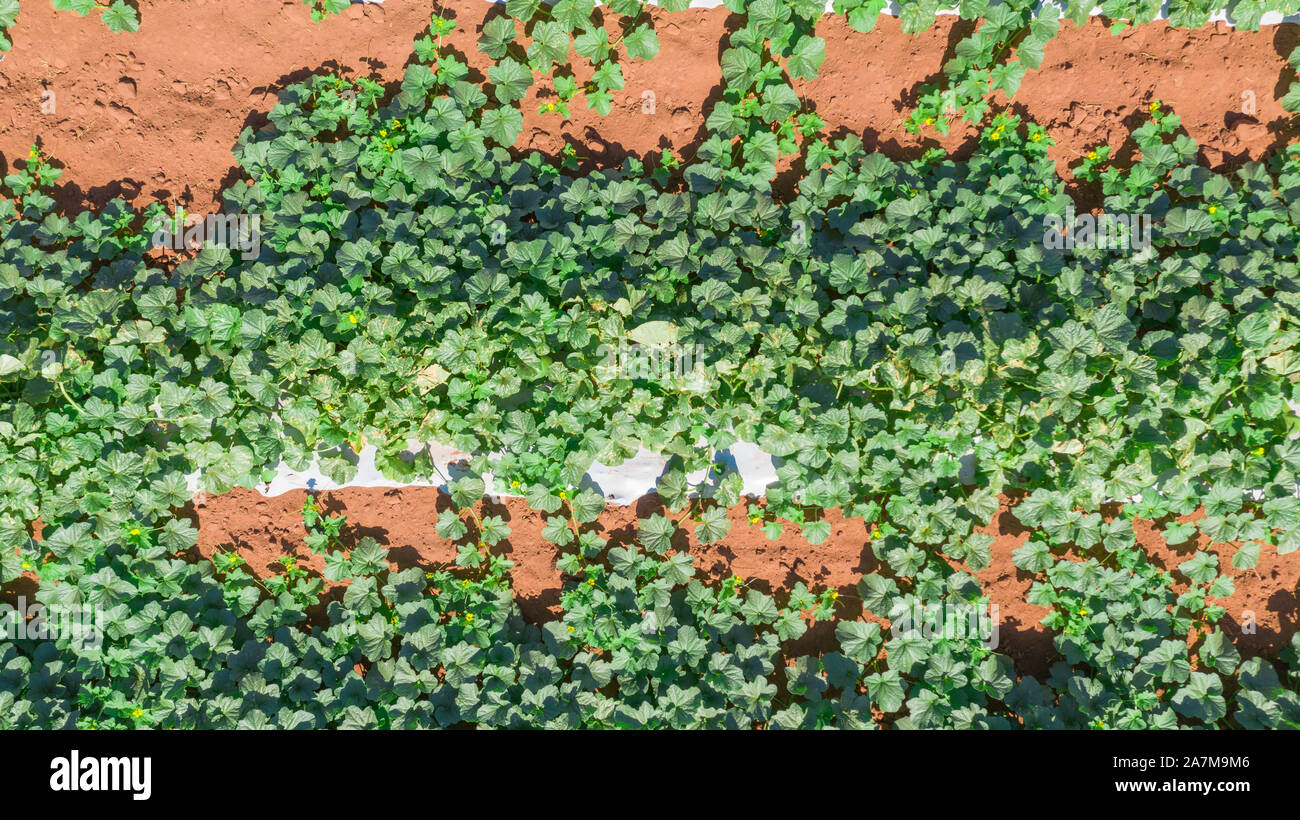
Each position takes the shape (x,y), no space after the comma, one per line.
(154,115)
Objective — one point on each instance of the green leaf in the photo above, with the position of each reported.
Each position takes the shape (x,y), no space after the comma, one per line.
(120,17)
(587,506)
(466,491)
(656,533)
(498,34)
(503,125)
(1201,698)
(641,42)
(550,44)
(370,557)
(450,526)
(1202,568)
(714,525)
(1034,556)
(807,58)
(1219,653)
(886,690)
(859,640)
(494,530)
(557,531)
(511,79)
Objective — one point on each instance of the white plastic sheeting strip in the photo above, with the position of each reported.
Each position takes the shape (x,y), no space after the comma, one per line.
(621,484)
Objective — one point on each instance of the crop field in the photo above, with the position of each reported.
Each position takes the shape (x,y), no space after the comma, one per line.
(775,364)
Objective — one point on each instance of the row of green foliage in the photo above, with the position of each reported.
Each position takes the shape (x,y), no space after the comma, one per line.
(899,334)
(641,643)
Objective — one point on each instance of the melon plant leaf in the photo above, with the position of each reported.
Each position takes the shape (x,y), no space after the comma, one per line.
(1034,556)
(1218,652)
(587,506)
(511,80)
(806,61)
(859,640)
(450,526)
(1201,698)
(642,43)
(550,44)
(466,491)
(714,525)
(656,533)
(503,124)
(886,689)
(80,7)
(120,17)
(8,16)
(498,34)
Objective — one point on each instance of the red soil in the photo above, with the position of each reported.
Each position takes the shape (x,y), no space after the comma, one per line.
(154,114)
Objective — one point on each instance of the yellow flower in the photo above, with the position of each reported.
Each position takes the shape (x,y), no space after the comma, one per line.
(135,530)
(563,495)
(26,565)
(514,485)
(1213,209)
(383,133)
(835,594)
(393,620)
(1092,155)
(428,575)
(137,713)
(469,617)
(464,583)
(929,120)
(591,582)
(1155,106)
(1083,612)
(550,106)
(1037,138)
(352,318)
(570,630)
(329,407)
(996,135)
(1258,451)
